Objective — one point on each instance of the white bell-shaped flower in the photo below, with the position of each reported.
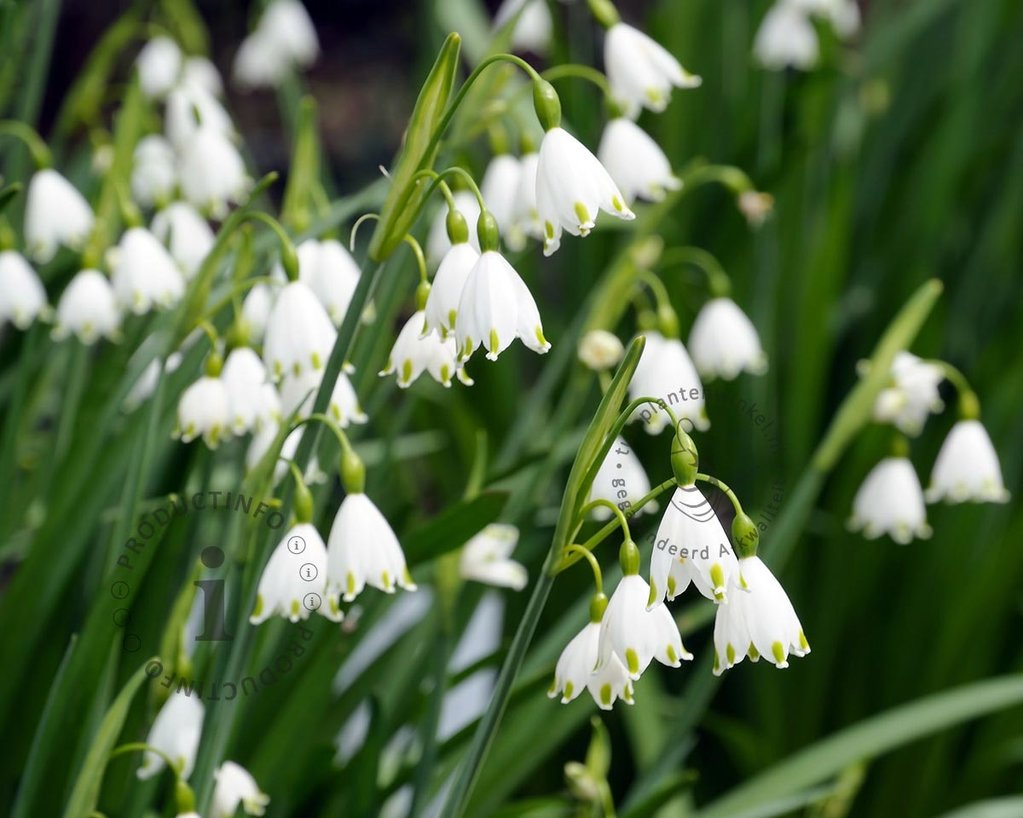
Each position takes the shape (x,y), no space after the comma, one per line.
(641,71)
(758,621)
(191,107)
(175,732)
(235,787)
(441,311)
(258,64)
(844,15)
(259,301)
(329,270)
(264,438)
(533,27)
(487,558)
(600,350)
(204,411)
(88,308)
(786,38)
(363,549)
(691,546)
(636,162)
(55,214)
(575,672)
(724,342)
(22,295)
(186,234)
(414,353)
(294,581)
(496,308)
(635,635)
(144,276)
(498,188)
(572,187)
(298,394)
(890,501)
(912,396)
(299,333)
(212,172)
(145,385)
(525,216)
(967,467)
(291,30)
(622,480)
(199,72)
(154,172)
(159,64)
(253,400)
(666,371)
(437,241)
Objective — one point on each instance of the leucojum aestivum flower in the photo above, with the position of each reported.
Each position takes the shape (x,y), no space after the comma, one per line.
(260,351)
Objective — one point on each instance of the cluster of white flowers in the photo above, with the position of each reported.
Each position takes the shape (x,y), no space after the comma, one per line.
(787,37)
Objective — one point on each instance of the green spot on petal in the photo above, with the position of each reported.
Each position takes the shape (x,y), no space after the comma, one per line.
(495,344)
(753,654)
(617,204)
(605,694)
(406,371)
(631,660)
(548,230)
(295,609)
(653,594)
(778,650)
(256,611)
(350,584)
(569,690)
(730,653)
(672,656)
(802,641)
(581,213)
(452,315)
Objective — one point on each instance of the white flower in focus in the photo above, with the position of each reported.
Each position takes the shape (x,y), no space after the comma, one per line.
(199,72)
(912,396)
(636,636)
(666,371)
(88,308)
(144,276)
(575,672)
(641,71)
(212,173)
(362,549)
(967,467)
(158,64)
(204,410)
(572,187)
(253,400)
(600,350)
(414,353)
(786,38)
(55,214)
(486,558)
(757,622)
(692,546)
(499,187)
(533,28)
(636,162)
(298,393)
(890,501)
(175,732)
(154,171)
(235,787)
(329,270)
(437,241)
(299,333)
(191,107)
(724,342)
(496,307)
(441,311)
(525,221)
(621,480)
(294,581)
(22,295)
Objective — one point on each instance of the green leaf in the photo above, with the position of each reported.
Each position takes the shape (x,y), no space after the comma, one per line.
(453,527)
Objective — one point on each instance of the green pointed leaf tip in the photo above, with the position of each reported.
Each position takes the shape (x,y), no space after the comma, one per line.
(404,198)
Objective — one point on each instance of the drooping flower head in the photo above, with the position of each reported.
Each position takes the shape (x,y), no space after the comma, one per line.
(487,558)
(55,214)
(636,162)
(88,308)
(786,38)
(641,71)
(145,276)
(414,353)
(22,296)
(175,732)
(724,342)
(890,501)
(667,372)
(186,234)
(967,467)
(912,395)
(235,787)
(294,581)
(299,333)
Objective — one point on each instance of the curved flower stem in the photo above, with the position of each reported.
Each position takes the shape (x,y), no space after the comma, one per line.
(719,283)
(598,578)
(661,297)
(141,746)
(289,258)
(583,72)
(707,478)
(437,178)
(32,140)
(601,502)
(237,290)
(969,404)
(417,251)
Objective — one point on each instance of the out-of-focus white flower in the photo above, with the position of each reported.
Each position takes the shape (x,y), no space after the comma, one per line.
(786,38)
(263,439)
(212,173)
(259,301)
(154,171)
(298,393)
(186,234)
(257,64)
(253,400)
(144,275)
(665,371)
(724,342)
(22,295)
(572,187)
(600,350)
(635,635)
(145,385)
(204,410)
(55,214)
(437,241)
(890,501)
(284,39)
(691,546)
(525,217)
(363,549)
(575,672)
(158,64)
(499,186)
(199,72)
(441,311)
(967,467)
(486,558)
(294,581)
(533,28)
(235,787)
(621,480)
(757,622)
(844,15)
(329,270)
(496,308)
(88,308)
(190,107)
(636,162)
(299,333)
(175,732)
(755,206)
(912,396)
(641,71)
(414,353)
